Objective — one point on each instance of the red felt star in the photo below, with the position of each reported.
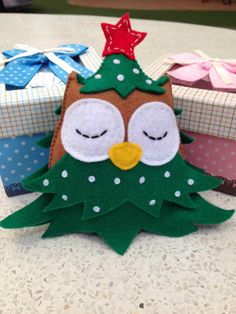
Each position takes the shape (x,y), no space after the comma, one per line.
(121,38)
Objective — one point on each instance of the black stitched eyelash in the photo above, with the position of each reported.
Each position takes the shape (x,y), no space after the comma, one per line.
(93,137)
(155,138)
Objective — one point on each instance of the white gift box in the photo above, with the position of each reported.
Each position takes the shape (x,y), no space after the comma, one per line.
(26,115)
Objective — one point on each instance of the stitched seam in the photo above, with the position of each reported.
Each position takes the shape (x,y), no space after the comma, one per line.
(130,54)
(155,138)
(113,110)
(59,124)
(91,136)
(138,113)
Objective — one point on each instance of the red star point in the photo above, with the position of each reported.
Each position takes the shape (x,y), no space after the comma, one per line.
(121,38)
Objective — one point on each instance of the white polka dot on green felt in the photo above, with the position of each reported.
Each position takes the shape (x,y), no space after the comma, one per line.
(64,174)
(149,82)
(190,181)
(96,209)
(45,182)
(177,194)
(116,61)
(152,202)
(167,174)
(64,197)
(136,71)
(91,179)
(141,180)
(98,76)
(120,77)
(117,181)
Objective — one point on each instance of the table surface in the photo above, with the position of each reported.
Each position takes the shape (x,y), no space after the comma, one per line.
(79,273)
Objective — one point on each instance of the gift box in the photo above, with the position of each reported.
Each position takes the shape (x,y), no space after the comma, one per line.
(209,116)
(27,115)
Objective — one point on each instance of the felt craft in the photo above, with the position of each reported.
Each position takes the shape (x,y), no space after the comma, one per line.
(127,106)
(116,164)
(123,75)
(46,140)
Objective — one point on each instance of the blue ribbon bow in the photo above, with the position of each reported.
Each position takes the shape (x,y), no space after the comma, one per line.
(20,71)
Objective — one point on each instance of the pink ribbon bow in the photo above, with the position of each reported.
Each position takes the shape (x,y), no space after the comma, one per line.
(196,66)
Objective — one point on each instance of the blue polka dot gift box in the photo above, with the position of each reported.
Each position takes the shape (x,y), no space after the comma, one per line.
(31,89)
(20,156)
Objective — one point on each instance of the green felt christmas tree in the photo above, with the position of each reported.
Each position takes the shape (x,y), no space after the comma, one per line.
(161,200)
(117,181)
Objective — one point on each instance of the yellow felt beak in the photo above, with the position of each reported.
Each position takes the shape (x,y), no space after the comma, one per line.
(125,155)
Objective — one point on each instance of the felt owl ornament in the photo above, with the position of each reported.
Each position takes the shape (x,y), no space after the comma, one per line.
(116,164)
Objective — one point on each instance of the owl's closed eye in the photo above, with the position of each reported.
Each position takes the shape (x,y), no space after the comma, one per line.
(93,130)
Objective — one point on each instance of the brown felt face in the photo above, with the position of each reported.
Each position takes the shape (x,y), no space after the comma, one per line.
(125,106)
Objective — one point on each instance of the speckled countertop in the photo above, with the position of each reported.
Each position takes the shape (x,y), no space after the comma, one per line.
(79,274)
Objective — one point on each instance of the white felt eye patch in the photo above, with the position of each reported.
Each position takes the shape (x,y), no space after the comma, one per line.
(153,126)
(90,127)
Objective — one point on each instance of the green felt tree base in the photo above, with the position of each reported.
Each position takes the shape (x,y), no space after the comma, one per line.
(118,228)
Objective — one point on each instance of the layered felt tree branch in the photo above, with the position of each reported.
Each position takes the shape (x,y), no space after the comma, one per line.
(119,227)
(123,75)
(73,182)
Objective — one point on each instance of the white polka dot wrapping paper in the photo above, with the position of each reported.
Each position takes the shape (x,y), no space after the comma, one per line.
(26,115)
(210,117)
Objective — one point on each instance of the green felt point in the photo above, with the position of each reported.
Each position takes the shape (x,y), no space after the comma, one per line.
(80,79)
(178,111)
(123,76)
(162,80)
(196,168)
(38,174)
(185,138)
(119,228)
(29,216)
(45,142)
(58,110)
